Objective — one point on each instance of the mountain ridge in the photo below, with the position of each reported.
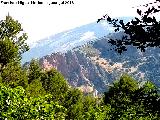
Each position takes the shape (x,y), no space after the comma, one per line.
(69,39)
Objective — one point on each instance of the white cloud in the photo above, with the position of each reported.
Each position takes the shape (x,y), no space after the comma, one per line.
(105,25)
(32,44)
(88,35)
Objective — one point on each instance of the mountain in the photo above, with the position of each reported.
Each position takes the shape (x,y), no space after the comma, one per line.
(77,69)
(142,65)
(65,41)
(94,67)
(68,40)
(84,57)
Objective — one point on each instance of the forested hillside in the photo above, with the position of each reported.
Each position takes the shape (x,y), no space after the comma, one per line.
(30,92)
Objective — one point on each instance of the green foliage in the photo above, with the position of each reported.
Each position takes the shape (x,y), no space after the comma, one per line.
(34,70)
(150,98)
(11,29)
(0,79)
(129,101)
(121,91)
(73,102)
(15,105)
(92,110)
(12,41)
(8,52)
(13,75)
(35,89)
(81,107)
(54,83)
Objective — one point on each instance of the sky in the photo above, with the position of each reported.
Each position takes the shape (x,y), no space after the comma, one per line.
(41,21)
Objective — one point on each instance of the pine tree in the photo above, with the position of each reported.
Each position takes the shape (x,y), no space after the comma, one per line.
(12,41)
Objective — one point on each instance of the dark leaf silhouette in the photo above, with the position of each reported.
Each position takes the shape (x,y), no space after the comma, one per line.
(139,11)
(142,32)
(99,20)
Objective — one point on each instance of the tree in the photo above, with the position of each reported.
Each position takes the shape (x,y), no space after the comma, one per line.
(119,96)
(121,88)
(34,74)
(54,83)
(34,71)
(12,41)
(8,52)
(129,100)
(13,75)
(14,104)
(148,95)
(73,102)
(35,89)
(140,32)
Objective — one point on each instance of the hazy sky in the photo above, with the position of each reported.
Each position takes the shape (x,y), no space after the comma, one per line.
(40,21)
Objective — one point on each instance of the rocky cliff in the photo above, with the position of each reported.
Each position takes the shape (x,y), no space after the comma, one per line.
(92,68)
(78,70)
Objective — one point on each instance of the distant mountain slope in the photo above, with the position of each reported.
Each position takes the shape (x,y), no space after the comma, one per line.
(94,66)
(67,40)
(143,65)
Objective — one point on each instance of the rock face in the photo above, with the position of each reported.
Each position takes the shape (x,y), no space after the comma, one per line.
(141,65)
(78,70)
(92,68)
